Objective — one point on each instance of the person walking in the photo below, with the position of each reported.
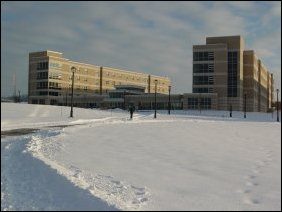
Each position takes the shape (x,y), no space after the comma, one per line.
(131,110)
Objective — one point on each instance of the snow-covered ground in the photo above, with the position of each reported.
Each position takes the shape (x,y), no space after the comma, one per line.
(189,160)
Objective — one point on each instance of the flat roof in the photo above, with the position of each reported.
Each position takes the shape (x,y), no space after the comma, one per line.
(227,36)
(130,86)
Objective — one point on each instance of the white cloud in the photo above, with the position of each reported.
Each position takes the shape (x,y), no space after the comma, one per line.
(152,37)
(272,13)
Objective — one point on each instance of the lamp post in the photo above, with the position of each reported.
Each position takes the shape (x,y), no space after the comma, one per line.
(277,90)
(66,98)
(156,81)
(245,105)
(73,69)
(123,99)
(230,114)
(169,106)
(19,100)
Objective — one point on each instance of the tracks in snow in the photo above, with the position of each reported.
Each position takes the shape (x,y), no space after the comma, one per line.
(92,189)
(28,184)
(252,179)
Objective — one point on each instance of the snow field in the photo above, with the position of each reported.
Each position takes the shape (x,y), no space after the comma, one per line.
(104,161)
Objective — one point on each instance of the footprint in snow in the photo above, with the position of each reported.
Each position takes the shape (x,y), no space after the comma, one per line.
(251,183)
(252,201)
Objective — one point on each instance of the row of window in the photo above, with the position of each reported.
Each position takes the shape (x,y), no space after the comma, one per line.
(122,76)
(42,75)
(115,75)
(42,85)
(199,103)
(54,85)
(42,66)
(55,75)
(45,66)
(51,93)
(203,56)
(77,87)
(203,80)
(202,90)
(52,75)
(203,68)
(54,65)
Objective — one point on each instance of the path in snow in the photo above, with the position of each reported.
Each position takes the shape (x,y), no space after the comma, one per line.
(28,184)
(119,193)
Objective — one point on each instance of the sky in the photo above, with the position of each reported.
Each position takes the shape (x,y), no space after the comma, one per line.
(150,37)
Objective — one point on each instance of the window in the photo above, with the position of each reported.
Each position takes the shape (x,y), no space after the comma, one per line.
(203,56)
(42,65)
(42,75)
(203,68)
(202,80)
(55,75)
(52,93)
(54,85)
(42,101)
(232,74)
(200,90)
(192,103)
(54,65)
(43,93)
(42,85)
(53,101)
(34,101)
(199,103)
(205,103)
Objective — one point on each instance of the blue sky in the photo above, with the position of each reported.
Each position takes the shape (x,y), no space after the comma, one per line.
(150,37)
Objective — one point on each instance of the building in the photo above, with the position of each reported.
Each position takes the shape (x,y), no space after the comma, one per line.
(225,76)
(224,67)
(147,101)
(50,80)
(200,101)
(117,98)
(258,83)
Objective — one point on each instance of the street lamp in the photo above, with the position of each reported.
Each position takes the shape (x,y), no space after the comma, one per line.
(66,97)
(277,90)
(245,105)
(230,114)
(156,81)
(169,106)
(73,69)
(19,96)
(124,99)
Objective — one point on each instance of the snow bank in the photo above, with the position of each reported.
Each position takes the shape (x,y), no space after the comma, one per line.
(186,161)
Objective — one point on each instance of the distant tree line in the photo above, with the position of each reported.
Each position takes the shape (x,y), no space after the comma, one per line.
(18,98)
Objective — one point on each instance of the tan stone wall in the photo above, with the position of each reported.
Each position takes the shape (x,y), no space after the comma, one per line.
(263,88)
(220,71)
(87,77)
(233,42)
(251,80)
(221,46)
